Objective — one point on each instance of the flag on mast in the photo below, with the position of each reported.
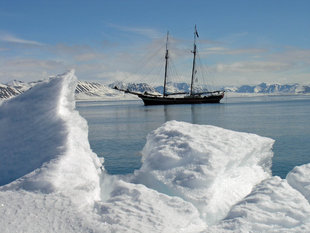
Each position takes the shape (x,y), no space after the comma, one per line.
(196,31)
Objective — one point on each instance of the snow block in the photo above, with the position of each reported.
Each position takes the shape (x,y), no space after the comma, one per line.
(211,167)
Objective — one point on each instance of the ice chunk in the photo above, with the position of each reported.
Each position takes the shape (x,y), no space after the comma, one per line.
(273,206)
(44,143)
(211,167)
(136,208)
(299,178)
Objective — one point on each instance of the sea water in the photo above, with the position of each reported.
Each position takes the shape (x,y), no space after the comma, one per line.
(118,129)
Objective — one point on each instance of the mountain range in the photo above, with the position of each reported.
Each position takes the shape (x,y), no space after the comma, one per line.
(93,90)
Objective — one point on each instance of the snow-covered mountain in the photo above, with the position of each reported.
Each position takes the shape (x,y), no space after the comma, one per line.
(93,90)
(174,88)
(135,87)
(184,87)
(272,89)
(15,87)
(84,90)
(8,91)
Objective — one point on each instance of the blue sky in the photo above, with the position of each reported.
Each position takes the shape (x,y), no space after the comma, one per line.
(241,42)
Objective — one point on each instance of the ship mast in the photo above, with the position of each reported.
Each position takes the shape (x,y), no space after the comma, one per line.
(194,60)
(166,65)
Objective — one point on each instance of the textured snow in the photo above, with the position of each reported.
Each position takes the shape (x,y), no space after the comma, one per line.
(299,179)
(273,206)
(205,165)
(44,141)
(194,178)
(136,208)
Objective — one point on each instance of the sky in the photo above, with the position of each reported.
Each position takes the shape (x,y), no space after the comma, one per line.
(240,41)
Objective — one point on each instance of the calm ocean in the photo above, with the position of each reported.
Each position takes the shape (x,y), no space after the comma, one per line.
(118,129)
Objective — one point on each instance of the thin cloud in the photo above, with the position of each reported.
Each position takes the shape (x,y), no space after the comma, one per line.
(6,37)
(93,63)
(293,55)
(29,69)
(226,51)
(78,53)
(233,37)
(29,64)
(147,32)
(253,66)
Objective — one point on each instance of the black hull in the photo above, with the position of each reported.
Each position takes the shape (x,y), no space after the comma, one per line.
(156,100)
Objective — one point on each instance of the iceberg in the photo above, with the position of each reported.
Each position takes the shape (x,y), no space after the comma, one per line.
(194,178)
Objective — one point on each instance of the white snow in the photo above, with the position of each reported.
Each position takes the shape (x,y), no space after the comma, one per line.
(194,178)
(298,178)
(273,206)
(205,165)
(136,208)
(44,141)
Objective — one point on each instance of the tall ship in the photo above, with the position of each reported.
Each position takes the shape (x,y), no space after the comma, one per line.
(191,97)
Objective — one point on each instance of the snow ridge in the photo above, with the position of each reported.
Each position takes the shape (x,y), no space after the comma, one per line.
(48,142)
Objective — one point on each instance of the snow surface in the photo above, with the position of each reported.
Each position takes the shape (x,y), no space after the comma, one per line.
(272,206)
(205,165)
(40,133)
(194,178)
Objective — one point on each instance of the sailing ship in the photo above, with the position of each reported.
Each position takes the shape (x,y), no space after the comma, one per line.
(190,97)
